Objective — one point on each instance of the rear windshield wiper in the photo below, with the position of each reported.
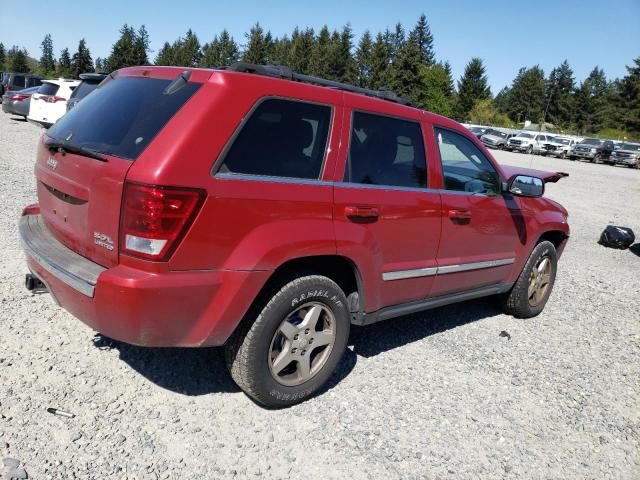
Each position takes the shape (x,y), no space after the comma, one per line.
(69,148)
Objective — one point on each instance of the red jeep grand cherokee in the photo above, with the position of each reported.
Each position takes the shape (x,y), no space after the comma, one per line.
(267,211)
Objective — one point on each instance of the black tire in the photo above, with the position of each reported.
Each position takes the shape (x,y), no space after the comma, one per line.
(596,158)
(572,158)
(516,302)
(530,149)
(248,351)
(563,155)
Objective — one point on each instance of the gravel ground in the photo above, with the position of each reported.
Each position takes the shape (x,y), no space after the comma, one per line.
(433,395)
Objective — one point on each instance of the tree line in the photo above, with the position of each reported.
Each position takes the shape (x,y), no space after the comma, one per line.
(396,59)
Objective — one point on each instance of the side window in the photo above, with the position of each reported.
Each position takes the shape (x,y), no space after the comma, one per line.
(282,138)
(464,167)
(18,82)
(386,151)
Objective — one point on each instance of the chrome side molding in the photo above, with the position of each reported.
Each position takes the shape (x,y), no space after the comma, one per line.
(444,269)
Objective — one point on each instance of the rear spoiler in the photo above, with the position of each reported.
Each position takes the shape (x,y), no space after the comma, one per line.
(547,177)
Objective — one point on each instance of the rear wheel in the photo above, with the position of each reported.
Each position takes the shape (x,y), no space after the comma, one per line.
(294,345)
(530,149)
(563,155)
(531,291)
(596,158)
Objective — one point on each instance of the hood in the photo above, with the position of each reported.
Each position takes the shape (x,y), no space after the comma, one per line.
(629,152)
(548,177)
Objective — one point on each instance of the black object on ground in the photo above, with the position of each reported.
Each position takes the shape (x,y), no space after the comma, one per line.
(617,237)
(506,334)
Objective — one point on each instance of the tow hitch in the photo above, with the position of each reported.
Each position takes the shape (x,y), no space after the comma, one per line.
(34,284)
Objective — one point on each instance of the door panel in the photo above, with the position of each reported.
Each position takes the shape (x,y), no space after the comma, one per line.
(481,230)
(386,220)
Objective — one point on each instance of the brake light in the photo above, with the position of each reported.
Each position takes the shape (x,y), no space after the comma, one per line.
(155,218)
(53,99)
(18,98)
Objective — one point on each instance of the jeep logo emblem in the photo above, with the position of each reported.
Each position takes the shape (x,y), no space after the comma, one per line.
(52,163)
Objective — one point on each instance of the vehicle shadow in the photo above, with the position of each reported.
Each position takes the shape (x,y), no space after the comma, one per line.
(635,249)
(374,339)
(193,371)
(18,119)
(201,371)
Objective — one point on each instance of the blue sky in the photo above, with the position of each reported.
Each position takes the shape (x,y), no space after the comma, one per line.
(505,34)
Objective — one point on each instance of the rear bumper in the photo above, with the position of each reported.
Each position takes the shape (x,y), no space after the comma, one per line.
(169,309)
(39,122)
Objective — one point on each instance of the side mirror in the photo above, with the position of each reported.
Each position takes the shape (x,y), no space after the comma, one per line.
(525,186)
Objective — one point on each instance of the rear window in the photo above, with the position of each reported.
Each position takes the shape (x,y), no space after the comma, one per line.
(48,89)
(84,89)
(282,138)
(123,116)
(19,81)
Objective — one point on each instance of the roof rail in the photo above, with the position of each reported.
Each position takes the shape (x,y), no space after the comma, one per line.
(280,71)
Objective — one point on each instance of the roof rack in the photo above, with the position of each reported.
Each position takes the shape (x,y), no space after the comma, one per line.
(280,71)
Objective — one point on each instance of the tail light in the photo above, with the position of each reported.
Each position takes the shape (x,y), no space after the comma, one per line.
(155,218)
(53,99)
(18,98)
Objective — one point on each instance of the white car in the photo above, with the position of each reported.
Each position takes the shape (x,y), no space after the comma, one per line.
(529,142)
(560,147)
(49,103)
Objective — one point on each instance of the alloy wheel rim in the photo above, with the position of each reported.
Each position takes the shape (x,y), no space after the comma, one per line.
(539,281)
(302,344)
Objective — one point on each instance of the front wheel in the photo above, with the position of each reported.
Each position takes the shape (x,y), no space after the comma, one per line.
(530,293)
(530,149)
(294,345)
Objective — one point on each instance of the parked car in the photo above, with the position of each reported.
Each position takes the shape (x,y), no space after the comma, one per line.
(89,83)
(270,234)
(17,103)
(478,131)
(628,154)
(18,81)
(560,147)
(528,142)
(495,138)
(49,103)
(594,150)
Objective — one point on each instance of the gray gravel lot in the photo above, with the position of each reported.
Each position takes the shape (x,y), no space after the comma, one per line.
(432,395)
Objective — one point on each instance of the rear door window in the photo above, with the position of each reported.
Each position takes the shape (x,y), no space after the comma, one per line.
(84,89)
(386,151)
(123,116)
(19,81)
(48,89)
(281,138)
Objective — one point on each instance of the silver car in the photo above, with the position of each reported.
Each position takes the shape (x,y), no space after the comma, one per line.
(17,103)
(628,154)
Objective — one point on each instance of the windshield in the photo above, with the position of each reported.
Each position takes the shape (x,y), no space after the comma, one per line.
(525,135)
(630,146)
(591,141)
(122,117)
(496,133)
(84,89)
(564,141)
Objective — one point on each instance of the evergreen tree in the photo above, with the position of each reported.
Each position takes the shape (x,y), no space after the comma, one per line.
(396,40)
(140,47)
(258,47)
(471,88)
(559,92)
(591,101)
(302,44)
(526,99)
(380,76)
(125,52)
(99,65)
(450,89)
(406,76)
(81,61)
(17,60)
(424,38)
(436,95)
(320,54)
(47,60)
(363,58)
(3,57)
(186,51)
(501,100)
(280,51)
(165,55)
(223,50)
(629,99)
(64,64)
(343,65)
